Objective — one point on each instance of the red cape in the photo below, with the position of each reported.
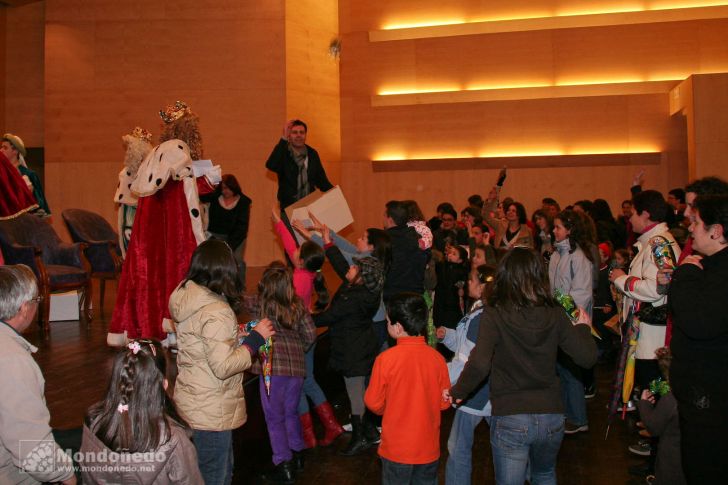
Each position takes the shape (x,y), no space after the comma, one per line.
(15,196)
(159,254)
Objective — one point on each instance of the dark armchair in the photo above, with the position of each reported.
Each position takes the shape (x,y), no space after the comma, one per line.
(58,266)
(102,245)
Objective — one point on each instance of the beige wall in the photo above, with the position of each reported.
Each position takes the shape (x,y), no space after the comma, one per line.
(710,121)
(593,124)
(22,49)
(113,65)
(701,101)
(312,76)
(85,73)
(244,67)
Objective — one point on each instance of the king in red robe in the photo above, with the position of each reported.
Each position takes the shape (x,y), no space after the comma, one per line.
(167,229)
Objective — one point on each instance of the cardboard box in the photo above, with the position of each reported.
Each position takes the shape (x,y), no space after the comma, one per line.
(64,306)
(329,207)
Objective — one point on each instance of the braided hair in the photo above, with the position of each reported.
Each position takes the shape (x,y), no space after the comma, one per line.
(136,414)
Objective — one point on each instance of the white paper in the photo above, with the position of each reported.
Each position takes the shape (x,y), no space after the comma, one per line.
(328,207)
(201,167)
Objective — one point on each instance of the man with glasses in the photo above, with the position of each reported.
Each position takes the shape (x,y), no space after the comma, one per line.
(448,231)
(29,453)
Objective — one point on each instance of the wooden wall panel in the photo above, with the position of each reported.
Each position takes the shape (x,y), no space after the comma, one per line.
(312,76)
(3,64)
(23,72)
(99,67)
(112,65)
(710,112)
(382,14)
(616,123)
(600,54)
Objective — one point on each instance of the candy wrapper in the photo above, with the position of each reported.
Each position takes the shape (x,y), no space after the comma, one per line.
(663,255)
(431,331)
(567,302)
(658,387)
(662,252)
(572,311)
(265,351)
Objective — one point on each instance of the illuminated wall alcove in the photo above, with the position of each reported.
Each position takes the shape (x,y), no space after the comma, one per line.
(572,95)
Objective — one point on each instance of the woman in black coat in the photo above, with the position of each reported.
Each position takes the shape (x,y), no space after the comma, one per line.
(229,217)
(353,340)
(697,298)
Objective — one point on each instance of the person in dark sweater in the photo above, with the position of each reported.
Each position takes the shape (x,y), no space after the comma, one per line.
(452,275)
(407,270)
(659,413)
(697,298)
(517,343)
(229,217)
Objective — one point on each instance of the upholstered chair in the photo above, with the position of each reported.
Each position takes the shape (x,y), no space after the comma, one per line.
(59,266)
(102,245)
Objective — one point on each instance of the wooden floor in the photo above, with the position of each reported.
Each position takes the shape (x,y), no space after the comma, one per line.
(76,363)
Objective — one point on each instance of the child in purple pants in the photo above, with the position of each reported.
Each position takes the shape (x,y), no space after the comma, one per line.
(295,332)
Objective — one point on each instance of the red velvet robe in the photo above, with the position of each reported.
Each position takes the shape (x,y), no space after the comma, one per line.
(167,229)
(15,196)
(159,254)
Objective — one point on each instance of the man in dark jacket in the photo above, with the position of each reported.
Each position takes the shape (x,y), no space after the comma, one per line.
(297,165)
(407,271)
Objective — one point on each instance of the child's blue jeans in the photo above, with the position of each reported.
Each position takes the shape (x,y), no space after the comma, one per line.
(459,466)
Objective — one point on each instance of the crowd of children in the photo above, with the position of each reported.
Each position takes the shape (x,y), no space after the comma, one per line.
(514,354)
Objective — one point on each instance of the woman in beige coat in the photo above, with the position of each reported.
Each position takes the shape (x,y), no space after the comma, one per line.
(209,390)
(511,231)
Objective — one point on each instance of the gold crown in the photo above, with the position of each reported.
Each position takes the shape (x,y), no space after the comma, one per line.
(174,112)
(142,134)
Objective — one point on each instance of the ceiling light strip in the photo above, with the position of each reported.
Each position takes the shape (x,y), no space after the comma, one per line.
(516,94)
(531,161)
(550,23)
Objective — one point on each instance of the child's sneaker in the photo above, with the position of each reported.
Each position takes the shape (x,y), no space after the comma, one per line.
(571,428)
(641,448)
(630,407)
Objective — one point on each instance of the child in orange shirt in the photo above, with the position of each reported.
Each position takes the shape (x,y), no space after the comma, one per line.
(406,387)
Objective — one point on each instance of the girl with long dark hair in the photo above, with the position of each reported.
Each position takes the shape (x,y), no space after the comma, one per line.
(517,342)
(137,419)
(461,341)
(277,301)
(571,272)
(544,237)
(209,386)
(308,259)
